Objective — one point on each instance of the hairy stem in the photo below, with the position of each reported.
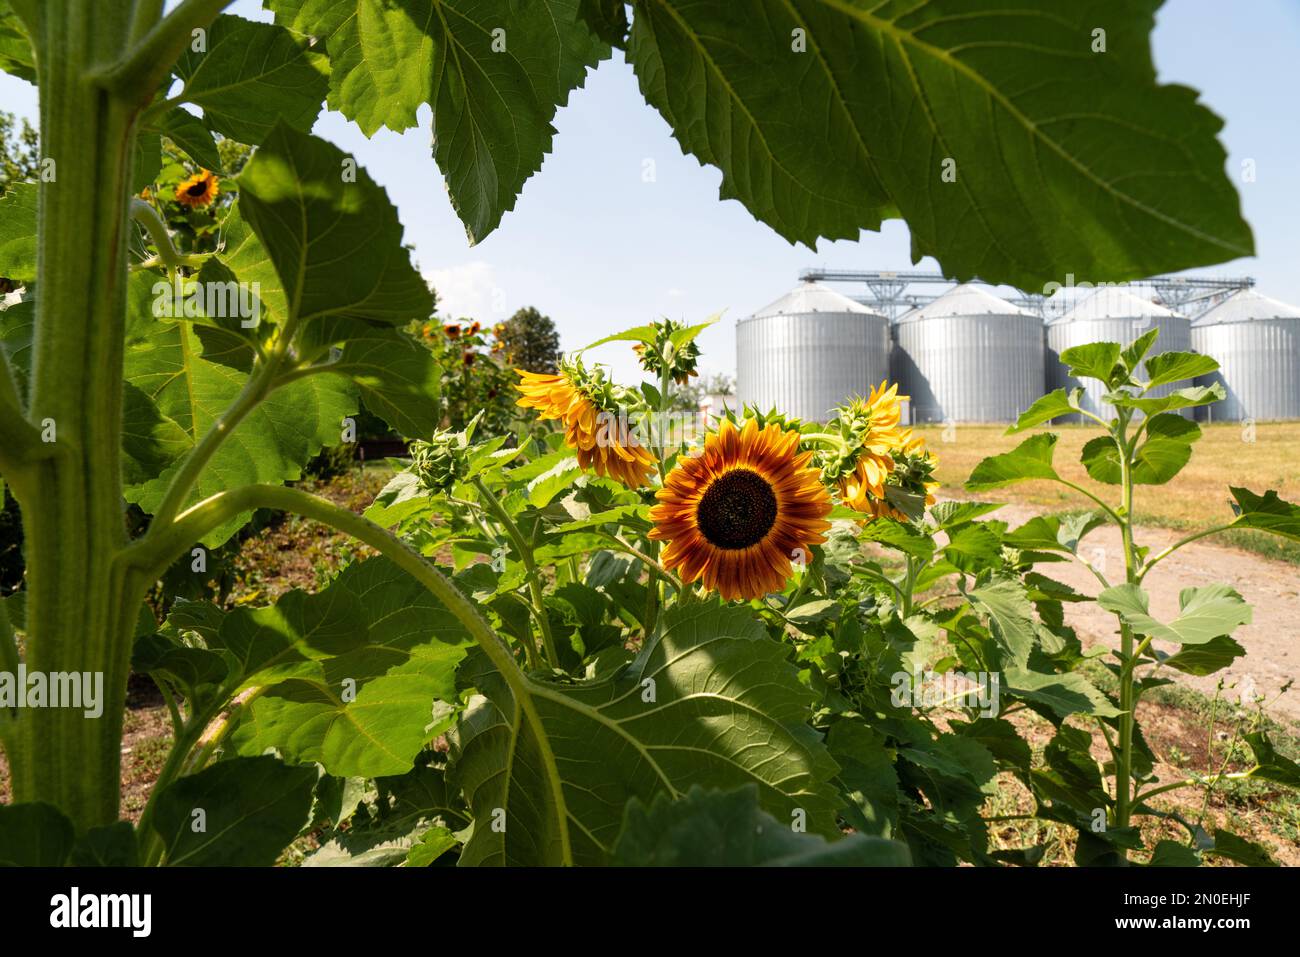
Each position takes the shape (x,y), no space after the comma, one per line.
(147,63)
(525,551)
(80,608)
(1127,697)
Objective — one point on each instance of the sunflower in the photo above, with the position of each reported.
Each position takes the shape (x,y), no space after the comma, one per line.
(474,328)
(735,514)
(452,330)
(914,466)
(198,191)
(603,440)
(873,427)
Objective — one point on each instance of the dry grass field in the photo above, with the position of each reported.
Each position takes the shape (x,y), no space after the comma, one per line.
(1227,454)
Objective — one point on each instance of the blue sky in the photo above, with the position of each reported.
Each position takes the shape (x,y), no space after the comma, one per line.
(598,248)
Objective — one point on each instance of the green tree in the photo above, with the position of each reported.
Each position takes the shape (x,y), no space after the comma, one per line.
(531,341)
(19,155)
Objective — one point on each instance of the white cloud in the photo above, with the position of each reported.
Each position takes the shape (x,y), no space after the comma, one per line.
(470,291)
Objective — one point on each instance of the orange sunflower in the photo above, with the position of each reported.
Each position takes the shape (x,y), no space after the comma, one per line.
(604,441)
(874,424)
(735,514)
(198,191)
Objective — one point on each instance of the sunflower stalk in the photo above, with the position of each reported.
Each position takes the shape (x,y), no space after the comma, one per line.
(653,598)
(524,549)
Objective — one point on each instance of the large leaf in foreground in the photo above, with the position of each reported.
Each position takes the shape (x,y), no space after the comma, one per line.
(729,829)
(334,239)
(494,72)
(712,700)
(363,663)
(940,111)
(251,76)
(34,834)
(242,812)
(399,378)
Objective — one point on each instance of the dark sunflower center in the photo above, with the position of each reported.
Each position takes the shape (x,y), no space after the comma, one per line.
(198,189)
(737,510)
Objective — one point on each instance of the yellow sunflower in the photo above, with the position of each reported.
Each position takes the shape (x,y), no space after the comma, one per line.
(918,464)
(604,441)
(876,437)
(736,513)
(198,191)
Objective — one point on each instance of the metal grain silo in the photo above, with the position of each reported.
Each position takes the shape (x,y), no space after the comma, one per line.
(1256,341)
(810,351)
(1113,314)
(968,357)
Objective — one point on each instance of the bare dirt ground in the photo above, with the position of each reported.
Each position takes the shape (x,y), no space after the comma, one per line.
(1272,640)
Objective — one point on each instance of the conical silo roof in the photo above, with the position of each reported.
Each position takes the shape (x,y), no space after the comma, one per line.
(809,297)
(1245,306)
(1113,302)
(967,299)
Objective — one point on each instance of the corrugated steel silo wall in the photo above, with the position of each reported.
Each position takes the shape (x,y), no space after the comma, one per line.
(1259,366)
(1175,336)
(969,368)
(805,365)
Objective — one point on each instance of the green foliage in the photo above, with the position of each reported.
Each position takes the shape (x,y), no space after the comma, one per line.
(558,695)
(494,74)
(953,86)
(251,77)
(730,829)
(19,153)
(657,722)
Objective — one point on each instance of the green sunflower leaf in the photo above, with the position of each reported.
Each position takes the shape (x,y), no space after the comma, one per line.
(493,71)
(1204,613)
(547,769)
(18,232)
(938,112)
(730,829)
(1266,513)
(1031,459)
(252,76)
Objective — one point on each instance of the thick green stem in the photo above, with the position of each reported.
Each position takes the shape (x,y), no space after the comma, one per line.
(909,586)
(136,74)
(80,606)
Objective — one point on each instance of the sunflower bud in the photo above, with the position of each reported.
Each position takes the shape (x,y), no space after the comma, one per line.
(443,462)
(678,359)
